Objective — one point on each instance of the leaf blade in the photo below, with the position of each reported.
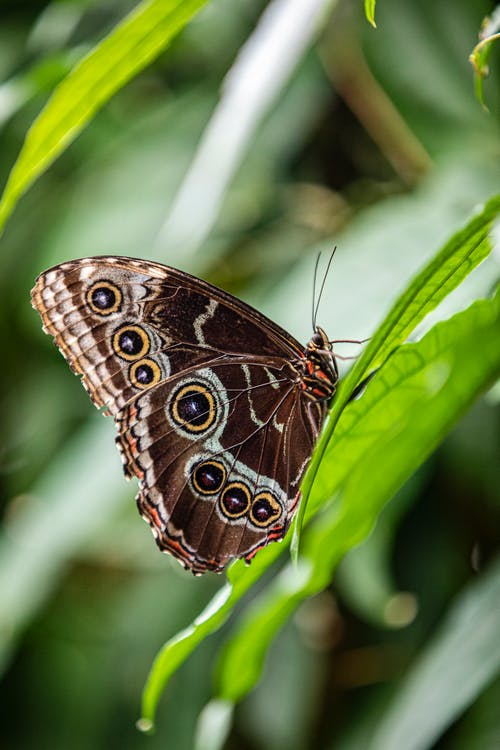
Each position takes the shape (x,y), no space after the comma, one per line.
(177,649)
(241,578)
(421,412)
(456,259)
(132,45)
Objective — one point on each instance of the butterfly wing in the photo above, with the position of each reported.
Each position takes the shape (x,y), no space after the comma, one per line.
(125,325)
(206,394)
(220,452)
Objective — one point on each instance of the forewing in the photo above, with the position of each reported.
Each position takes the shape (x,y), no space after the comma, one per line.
(126,325)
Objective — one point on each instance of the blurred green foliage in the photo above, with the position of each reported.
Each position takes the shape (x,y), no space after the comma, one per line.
(339,134)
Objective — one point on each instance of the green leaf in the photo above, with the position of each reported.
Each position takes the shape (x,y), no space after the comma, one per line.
(460,255)
(381,440)
(461,660)
(178,648)
(129,48)
(480,54)
(243,657)
(370,12)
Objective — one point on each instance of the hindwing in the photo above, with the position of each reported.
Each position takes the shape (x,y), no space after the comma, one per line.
(220,452)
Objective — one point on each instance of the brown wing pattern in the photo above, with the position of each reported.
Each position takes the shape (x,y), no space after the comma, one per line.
(208,400)
(220,453)
(168,321)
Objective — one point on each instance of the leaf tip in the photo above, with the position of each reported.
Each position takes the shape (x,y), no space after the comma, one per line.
(370,12)
(144,725)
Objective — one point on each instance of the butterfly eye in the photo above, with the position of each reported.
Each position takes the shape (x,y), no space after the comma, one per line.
(265,510)
(144,373)
(208,477)
(131,342)
(104,298)
(193,408)
(235,500)
(317,339)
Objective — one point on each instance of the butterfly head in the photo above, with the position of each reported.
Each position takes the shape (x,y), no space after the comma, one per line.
(319,341)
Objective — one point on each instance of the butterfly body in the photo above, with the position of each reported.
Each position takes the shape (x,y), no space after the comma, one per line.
(217,407)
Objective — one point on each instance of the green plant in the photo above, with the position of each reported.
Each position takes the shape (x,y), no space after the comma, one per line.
(370,446)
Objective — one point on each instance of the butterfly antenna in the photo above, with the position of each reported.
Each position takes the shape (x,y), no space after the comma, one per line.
(322,284)
(313,311)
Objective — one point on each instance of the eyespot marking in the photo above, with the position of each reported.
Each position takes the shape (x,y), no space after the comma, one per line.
(104,298)
(193,407)
(265,510)
(144,373)
(234,501)
(131,342)
(208,477)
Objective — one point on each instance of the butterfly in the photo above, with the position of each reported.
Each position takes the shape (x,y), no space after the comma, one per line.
(217,408)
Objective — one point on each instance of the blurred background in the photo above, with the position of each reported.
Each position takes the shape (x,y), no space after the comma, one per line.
(256,140)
